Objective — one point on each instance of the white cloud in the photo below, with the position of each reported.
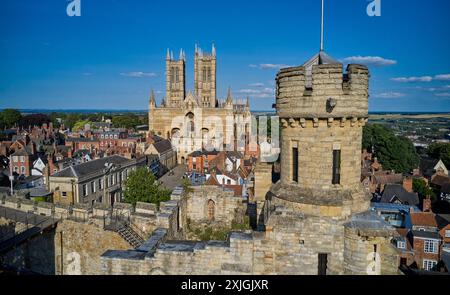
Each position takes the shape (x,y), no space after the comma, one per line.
(413,79)
(256,85)
(248,91)
(445,77)
(376,61)
(259,93)
(444,94)
(389,95)
(138,74)
(269,66)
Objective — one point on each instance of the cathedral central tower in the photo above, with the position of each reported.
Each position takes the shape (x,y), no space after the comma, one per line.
(205,77)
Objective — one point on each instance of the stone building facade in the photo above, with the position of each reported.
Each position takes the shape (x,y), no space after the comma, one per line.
(198,119)
(98,181)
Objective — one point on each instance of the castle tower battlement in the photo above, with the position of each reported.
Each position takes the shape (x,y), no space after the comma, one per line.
(322,112)
(332,93)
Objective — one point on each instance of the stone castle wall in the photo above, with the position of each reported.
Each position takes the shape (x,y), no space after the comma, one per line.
(76,244)
(227,207)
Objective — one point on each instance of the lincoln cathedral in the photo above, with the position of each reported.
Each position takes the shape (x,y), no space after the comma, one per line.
(198,119)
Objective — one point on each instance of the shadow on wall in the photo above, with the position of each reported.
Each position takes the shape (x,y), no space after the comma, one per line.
(36,255)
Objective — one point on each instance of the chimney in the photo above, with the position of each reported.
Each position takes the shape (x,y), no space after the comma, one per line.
(408,184)
(51,165)
(427,205)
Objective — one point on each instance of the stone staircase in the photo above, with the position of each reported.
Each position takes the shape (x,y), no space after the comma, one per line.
(129,235)
(124,228)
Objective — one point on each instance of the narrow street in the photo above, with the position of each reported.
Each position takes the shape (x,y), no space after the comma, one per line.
(174,179)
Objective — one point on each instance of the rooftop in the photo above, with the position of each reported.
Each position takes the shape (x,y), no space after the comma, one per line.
(90,167)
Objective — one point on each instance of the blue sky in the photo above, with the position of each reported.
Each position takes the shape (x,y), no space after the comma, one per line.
(114,53)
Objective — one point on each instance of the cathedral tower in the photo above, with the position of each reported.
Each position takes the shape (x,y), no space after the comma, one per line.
(175,79)
(205,77)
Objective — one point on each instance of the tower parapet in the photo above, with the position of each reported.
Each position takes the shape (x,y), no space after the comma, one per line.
(332,94)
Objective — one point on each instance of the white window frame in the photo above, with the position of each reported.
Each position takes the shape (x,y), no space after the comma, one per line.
(431,246)
(401,244)
(429,264)
(64,194)
(447,233)
(22,159)
(22,169)
(93,188)
(100,184)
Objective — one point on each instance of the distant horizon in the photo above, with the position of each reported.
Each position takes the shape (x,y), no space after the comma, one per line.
(99,110)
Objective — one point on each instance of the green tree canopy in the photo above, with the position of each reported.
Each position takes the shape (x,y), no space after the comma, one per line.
(126,121)
(440,151)
(394,152)
(79,125)
(422,188)
(141,186)
(9,118)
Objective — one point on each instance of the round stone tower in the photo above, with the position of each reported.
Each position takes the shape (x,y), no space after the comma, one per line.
(322,113)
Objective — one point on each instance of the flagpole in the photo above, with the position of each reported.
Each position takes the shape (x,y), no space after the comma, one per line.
(322,27)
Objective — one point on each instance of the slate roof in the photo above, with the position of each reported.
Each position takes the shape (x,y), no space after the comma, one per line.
(23,152)
(427,166)
(90,167)
(81,139)
(203,153)
(392,191)
(440,180)
(425,234)
(163,146)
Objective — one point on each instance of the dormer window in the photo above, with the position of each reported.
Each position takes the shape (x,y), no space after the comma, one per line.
(401,244)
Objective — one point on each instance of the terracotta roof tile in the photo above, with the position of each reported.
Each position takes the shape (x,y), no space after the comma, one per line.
(425,219)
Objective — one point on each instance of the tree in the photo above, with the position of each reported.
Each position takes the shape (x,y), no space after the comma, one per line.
(79,125)
(34,120)
(394,152)
(440,151)
(421,187)
(126,121)
(70,120)
(9,118)
(187,187)
(141,186)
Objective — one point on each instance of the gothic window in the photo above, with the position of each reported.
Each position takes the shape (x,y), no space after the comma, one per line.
(177,77)
(209,74)
(336,167)
(211,210)
(204,74)
(172,70)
